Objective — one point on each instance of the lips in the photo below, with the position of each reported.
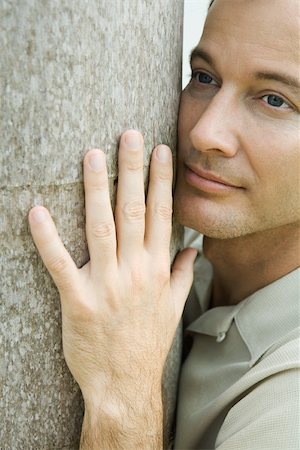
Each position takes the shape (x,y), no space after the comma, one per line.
(207,181)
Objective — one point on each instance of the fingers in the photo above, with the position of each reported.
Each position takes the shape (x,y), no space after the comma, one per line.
(100,228)
(53,253)
(182,277)
(130,206)
(159,202)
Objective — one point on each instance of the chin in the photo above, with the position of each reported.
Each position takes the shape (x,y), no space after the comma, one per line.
(211,220)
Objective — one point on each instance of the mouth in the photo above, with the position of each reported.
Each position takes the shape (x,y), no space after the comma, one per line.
(208,182)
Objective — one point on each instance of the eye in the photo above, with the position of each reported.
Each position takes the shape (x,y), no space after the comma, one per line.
(275,101)
(203,78)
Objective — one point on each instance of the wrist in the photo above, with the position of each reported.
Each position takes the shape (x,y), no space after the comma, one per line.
(123,422)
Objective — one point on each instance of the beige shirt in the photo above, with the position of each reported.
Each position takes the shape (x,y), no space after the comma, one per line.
(240,384)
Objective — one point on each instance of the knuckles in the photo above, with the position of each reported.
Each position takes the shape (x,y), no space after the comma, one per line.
(164,211)
(143,278)
(134,211)
(162,273)
(58,266)
(164,175)
(101,231)
(96,184)
(134,165)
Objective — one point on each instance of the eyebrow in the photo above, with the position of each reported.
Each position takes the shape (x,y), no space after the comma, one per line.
(198,53)
(287,80)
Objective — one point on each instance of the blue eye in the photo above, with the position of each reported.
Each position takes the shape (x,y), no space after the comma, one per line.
(275,101)
(204,78)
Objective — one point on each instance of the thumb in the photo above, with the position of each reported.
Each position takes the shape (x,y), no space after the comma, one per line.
(182,277)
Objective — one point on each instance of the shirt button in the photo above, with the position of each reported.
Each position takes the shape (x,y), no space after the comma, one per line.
(221,336)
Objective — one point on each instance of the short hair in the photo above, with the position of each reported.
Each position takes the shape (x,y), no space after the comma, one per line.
(211,2)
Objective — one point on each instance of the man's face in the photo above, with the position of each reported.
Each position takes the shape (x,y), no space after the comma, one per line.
(238,130)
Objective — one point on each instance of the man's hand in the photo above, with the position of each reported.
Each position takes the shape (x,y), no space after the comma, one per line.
(120,311)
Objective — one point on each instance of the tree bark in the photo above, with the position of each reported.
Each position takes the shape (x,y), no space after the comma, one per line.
(74,75)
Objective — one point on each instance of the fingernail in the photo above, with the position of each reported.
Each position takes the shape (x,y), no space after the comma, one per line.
(163,153)
(133,139)
(38,215)
(96,161)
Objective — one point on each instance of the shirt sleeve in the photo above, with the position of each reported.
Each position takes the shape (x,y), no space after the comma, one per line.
(267,418)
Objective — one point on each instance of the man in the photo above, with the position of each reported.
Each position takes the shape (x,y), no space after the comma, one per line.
(238,184)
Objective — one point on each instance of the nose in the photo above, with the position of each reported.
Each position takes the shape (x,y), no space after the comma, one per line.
(216,128)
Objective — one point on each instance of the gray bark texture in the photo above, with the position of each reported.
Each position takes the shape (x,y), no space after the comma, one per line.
(74,75)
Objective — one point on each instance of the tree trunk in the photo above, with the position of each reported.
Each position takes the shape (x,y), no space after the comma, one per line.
(74,75)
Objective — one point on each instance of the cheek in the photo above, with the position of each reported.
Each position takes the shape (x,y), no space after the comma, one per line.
(280,166)
(189,113)
(276,193)
(273,151)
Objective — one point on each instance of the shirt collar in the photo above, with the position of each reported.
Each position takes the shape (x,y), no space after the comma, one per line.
(262,319)
(270,314)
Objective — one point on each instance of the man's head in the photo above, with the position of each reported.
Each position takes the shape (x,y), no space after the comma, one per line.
(238,131)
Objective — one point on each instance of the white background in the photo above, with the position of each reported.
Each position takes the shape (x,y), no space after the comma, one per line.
(194,16)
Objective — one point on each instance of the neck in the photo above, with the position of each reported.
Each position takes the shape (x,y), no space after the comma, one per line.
(246,264)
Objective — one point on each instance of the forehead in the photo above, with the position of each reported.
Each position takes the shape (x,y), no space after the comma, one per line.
(267,29)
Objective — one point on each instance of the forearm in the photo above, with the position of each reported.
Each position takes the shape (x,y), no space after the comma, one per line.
(123,426)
